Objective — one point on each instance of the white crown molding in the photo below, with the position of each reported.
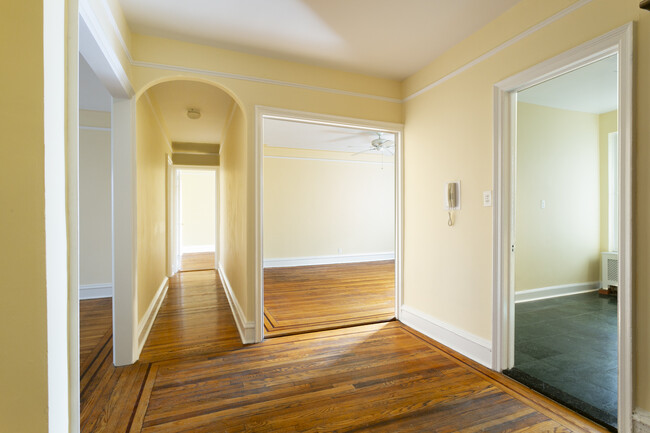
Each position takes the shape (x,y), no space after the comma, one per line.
(564,12)
(144,327)
(116,29)
(95,291)
(327,260)
(304,158)
(556,291)
(246,329)
(463,342)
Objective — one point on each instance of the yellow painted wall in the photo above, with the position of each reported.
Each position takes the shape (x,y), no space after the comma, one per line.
(198,204)
(23,314)
(95,241)
(233,211)
(151,167)
(314,206)
(449,135)
(607,122)
(558,162)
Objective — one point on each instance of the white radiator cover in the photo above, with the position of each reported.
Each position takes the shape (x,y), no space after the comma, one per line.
(609,269)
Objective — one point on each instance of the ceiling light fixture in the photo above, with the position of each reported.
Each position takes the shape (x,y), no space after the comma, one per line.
(193,113)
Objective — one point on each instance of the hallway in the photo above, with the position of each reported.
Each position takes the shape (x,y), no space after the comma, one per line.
(195,375)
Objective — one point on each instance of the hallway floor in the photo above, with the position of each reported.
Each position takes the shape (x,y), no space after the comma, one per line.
(197,262)
(195,376)
(566,348)
(308,298)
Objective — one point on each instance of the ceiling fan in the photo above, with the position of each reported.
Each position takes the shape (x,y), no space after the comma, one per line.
(379,144)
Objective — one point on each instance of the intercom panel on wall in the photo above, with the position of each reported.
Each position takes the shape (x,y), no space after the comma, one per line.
(452,195)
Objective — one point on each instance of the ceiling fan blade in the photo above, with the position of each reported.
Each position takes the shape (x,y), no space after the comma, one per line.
(363,151)
(389,151)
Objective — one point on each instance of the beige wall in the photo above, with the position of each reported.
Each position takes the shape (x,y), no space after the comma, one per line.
(152,150)
(23,310)
(607,122)
(449,135)
(198,202)
(233,218)
(315,206)
(95,242)
(558,162)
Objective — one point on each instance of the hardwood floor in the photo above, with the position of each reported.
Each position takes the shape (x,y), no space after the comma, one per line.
(197,262)
(308,298)
(195,376)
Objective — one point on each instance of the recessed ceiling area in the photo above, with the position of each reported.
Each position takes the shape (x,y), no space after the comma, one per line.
(92,93)
(386,38)
(311,136)
(590,89)
(175,98)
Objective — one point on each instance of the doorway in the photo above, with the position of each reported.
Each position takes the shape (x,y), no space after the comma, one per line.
(562,230)
(196,225)
(330,224)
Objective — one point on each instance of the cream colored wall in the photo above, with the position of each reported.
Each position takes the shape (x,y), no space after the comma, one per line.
(198,202)
(23,310)
(449,135)
(152,149)
(314,206)
(95,241)
(558,162)
(233,207)
(608,122)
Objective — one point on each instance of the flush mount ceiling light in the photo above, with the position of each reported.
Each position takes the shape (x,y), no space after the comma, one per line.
(193,113)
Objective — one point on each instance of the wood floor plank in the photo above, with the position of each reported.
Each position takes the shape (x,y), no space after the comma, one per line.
(196,376)
(309,298)
(197,262)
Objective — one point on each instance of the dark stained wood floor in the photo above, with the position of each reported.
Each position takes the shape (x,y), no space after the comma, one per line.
(380,378)
(197,262)
(308,298)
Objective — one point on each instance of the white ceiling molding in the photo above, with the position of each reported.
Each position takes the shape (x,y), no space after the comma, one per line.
(564,12)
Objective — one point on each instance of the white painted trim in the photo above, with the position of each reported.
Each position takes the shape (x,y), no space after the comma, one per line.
(618,41)
(94,128)
(463,342)
(116,29)
(197,249)
(246,329)
(242,77)
(641,421)
(95,291)
(144,327)
(303,158)
(262,112)
(555,291)
(327,260)
(499,48)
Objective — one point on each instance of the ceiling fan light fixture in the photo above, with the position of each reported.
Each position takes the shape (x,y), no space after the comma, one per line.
(193,113)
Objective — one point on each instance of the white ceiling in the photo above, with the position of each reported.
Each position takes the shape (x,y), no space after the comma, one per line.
(92,93)
(174,98)
(298,135)
(591,89)
(387,38)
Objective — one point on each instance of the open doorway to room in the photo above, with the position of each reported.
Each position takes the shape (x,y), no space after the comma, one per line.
(566,239)
(197,223)
(329,226)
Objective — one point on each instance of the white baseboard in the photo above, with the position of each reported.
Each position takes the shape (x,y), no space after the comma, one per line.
(556,291)
(144,327)
(95,291)
(641,421)
(475,348)
(327,260)
(246,329)
(197,249)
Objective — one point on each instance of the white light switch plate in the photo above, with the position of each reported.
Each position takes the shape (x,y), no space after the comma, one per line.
(487,198)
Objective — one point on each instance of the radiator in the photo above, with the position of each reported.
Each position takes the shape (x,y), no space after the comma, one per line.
(609,270)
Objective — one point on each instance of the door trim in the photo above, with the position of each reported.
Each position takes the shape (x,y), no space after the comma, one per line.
(618,41)
(262,112)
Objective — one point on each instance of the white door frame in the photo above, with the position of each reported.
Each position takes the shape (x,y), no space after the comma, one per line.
(175,213)
(261,113)
(618,41)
